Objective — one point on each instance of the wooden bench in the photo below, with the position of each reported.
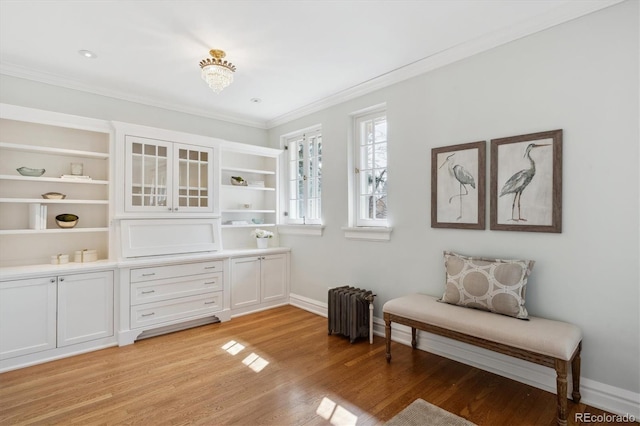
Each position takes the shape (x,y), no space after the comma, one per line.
(550,343)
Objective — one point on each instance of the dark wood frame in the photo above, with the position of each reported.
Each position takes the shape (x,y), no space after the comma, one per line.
(556,183)
(480,185)
(560,365)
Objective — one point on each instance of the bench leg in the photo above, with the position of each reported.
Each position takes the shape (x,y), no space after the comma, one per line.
(575,374)
(561,391)
(387,335)
(414,341)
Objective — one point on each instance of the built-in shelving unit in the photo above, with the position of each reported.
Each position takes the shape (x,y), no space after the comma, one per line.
(30,234)
(254,205)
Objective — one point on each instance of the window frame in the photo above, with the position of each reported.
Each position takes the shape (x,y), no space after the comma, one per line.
(307,136)
(359,119)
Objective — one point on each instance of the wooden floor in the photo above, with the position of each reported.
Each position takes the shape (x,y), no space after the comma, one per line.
(277,367)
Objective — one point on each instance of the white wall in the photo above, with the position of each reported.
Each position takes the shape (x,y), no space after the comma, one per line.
(18,91)
(582,77)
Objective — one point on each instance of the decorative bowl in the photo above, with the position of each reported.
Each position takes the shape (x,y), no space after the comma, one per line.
(53,196)
(67,220)
(27,171)
(238,181)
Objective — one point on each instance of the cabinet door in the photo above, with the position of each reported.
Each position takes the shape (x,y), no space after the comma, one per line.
(194,178)
(148,175)
(27,316)
(274,278)
(85,307)
(245,281)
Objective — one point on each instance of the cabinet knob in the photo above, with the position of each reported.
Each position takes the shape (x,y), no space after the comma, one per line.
(61,279)
(52,280)
(176,209)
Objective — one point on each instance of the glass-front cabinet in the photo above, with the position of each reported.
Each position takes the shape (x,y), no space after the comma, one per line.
(166,176)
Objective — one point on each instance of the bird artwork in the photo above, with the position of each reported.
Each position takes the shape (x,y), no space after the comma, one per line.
(517,183)
(463,177)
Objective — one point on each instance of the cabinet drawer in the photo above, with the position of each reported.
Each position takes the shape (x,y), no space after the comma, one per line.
(172,271)
(169,310)
(171,288)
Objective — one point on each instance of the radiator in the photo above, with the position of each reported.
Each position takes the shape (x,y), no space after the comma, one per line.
(351,312)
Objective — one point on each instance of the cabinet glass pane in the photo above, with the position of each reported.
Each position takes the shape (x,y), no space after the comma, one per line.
(148,175)
(193,178)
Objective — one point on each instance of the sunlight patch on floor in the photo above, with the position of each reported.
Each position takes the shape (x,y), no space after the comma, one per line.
(233,347)
(336,414)
(253,361)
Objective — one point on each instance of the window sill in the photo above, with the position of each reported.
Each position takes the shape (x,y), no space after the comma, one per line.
(308,230)
(369,233)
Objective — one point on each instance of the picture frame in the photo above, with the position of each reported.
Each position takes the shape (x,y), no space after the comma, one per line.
(458,179)
(526,182)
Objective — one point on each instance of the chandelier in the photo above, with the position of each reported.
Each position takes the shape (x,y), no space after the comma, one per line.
(216,72)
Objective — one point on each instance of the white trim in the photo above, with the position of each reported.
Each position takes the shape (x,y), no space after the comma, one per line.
(307,304)
(567,12)
(60,81)
(371,233)
(310,230)
(596,394)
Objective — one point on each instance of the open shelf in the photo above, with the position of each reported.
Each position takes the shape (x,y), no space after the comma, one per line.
(46,201)
(54,151)
(56,180)
(51,231)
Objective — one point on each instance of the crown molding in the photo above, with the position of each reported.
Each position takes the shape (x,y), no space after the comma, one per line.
(567,12)
(56,80)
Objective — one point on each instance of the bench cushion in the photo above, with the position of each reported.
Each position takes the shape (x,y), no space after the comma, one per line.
(547,337)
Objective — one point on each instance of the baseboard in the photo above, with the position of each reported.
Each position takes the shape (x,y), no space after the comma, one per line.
(596,394)
(307,304)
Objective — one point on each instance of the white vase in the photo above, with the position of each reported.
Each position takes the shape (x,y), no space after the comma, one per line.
(262,242)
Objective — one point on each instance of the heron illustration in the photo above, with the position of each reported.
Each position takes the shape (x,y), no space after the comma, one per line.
(520,180)
(463,177)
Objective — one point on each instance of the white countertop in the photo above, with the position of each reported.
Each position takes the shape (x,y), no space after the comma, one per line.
(29,271)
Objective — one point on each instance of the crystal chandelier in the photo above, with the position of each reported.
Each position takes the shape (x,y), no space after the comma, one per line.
(216,72)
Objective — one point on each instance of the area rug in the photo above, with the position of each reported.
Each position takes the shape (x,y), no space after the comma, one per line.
(421,413)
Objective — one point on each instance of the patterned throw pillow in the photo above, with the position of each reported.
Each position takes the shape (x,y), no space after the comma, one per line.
(496,285)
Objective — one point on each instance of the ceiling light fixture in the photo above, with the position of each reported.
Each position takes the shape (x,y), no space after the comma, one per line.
(87,54)
(217,73)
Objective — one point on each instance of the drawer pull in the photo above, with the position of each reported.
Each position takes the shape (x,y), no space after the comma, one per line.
(149,275)
(148,292)
(148,315)
(210,267)
(209,303)
(211,282)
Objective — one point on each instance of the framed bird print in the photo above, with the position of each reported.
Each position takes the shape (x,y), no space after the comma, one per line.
(526,182)
(458,186)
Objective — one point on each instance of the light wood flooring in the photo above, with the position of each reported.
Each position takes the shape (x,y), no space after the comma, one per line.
(277,367)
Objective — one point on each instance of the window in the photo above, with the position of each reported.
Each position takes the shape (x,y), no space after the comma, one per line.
(371,176)
(304,176)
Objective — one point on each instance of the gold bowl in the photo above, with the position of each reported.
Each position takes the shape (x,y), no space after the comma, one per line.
(53,196)
(67,220)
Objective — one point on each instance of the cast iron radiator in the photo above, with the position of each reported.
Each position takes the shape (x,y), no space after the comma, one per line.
(351,312)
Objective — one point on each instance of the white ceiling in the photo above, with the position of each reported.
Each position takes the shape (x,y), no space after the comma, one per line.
(296,56)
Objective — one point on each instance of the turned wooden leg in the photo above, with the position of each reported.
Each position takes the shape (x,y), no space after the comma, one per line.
(561,391)
(414,341)
(387,335)
(575,373)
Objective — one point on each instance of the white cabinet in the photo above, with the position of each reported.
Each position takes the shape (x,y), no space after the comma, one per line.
(165,294)
(46,313)
(259,282)
(85,307)
(167,177)
(27,316)
(29,233)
